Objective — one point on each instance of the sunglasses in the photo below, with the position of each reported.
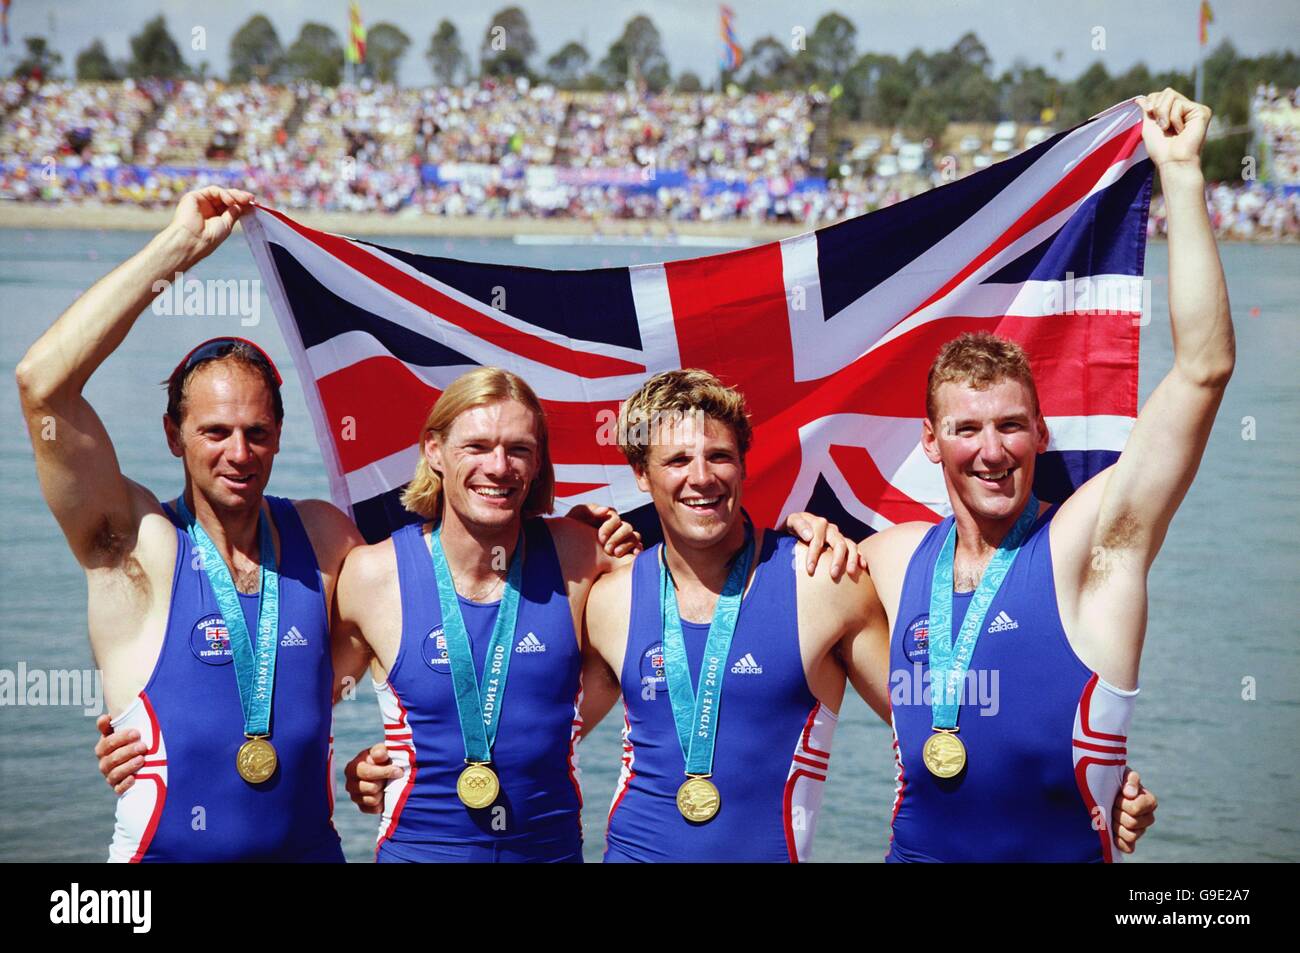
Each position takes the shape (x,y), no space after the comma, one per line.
(220,347)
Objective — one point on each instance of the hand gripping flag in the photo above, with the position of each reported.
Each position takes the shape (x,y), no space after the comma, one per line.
(829,334)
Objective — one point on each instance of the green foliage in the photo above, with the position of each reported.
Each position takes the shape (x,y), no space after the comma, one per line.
(1221,158)
(566,67)
(508,44)
(446,57)
(256,52)
(93,65)
(155,53)
(386,44)
(40,60)
(316,56)
(689,82)
(638,53)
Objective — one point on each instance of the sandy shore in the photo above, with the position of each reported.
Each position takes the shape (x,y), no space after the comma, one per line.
(132,218)
(37,215)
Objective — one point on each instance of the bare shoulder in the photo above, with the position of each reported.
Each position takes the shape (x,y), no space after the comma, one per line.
(572,539)
(323,520)
(369,564)
(609,606)
(842,600)
(614,586)
(890,549)
(579,548)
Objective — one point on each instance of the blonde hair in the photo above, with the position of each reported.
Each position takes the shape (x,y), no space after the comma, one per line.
(675,395)
(477,388)
(979,359)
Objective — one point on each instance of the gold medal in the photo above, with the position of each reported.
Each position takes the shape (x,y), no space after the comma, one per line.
(944,754)
(477,786)
(256,760)
(698,799)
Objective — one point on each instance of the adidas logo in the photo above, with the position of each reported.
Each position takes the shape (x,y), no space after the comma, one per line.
(530,643)
(293,637)
(1003,623)
(747,666)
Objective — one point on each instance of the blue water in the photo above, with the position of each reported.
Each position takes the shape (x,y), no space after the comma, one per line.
(1222,593)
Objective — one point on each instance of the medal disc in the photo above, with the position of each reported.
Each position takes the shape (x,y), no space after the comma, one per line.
(944,754)
(477,786)
(698,800)
(256,760)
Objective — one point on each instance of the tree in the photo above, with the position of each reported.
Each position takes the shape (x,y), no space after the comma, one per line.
(93,65)
(883,86)
(1087,95)
(770,66)
(928,114)
(688,82)
(40,63)
(1029,90)
(317,55)
(255,52)
(385,47)
(508,44)
(566,66)
(638,52)
(832,47)
(155,53)
(445,56)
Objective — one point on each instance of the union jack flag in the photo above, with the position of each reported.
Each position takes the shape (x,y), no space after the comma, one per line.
(828,334)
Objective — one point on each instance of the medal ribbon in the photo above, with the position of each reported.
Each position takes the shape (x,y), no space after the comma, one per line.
(948,661)
(696,714)
(254,666)
(478,705)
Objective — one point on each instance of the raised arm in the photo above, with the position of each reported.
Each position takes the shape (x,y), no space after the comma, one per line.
(95,505)
(1146,486)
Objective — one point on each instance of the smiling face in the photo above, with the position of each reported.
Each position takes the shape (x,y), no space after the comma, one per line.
(488,459)
(694,472)
(228,435)
(987,441)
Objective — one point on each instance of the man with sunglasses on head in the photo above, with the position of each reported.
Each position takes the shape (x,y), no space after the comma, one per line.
(208,614)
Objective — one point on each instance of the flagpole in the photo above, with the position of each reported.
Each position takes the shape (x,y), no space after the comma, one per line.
(1200,73)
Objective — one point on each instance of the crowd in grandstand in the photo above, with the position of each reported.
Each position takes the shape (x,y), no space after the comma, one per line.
(499,150)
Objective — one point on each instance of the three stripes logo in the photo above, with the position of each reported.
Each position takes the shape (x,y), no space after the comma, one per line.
(530,643)
(747,666)
(293,637)
(1003,623)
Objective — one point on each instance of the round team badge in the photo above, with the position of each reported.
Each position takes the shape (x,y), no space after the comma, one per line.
(653,680)
(916,640)
(210,641)
(434,651)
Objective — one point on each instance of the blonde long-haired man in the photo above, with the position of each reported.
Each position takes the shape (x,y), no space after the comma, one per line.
(473,619)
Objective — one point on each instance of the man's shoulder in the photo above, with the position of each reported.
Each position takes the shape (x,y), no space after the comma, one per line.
(893,547)
(323,514)
(618,579)
(331,531)
(370,564)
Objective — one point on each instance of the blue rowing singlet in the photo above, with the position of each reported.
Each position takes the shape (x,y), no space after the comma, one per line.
(773,736)
(537,814)
(1045,737)
(188,802)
